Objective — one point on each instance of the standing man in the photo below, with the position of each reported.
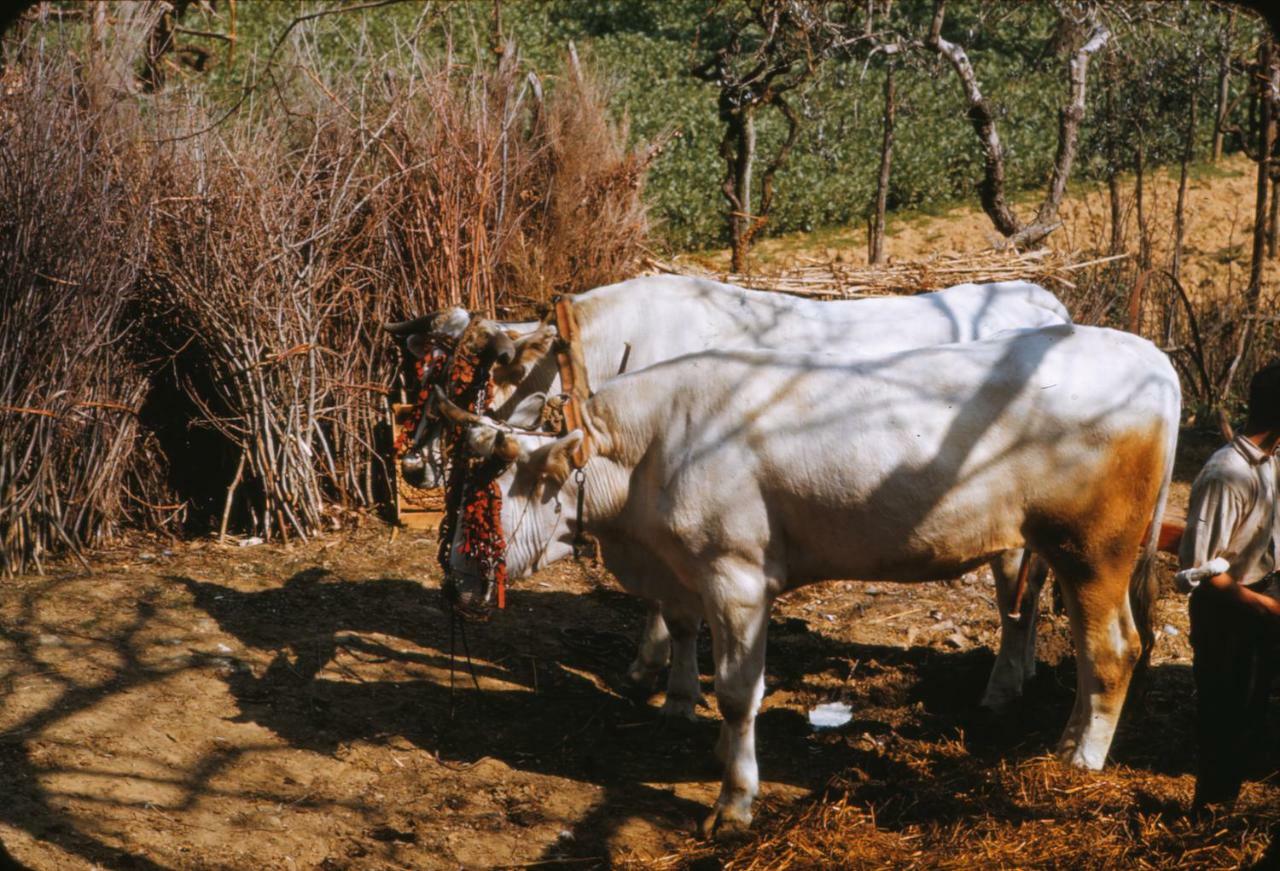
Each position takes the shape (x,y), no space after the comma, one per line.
(1233,522)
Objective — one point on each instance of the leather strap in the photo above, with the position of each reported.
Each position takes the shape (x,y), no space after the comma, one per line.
(573,377)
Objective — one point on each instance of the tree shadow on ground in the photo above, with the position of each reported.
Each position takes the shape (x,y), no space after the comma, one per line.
(556,702)
(27,803)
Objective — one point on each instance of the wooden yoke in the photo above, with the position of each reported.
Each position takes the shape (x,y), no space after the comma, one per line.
(573,377)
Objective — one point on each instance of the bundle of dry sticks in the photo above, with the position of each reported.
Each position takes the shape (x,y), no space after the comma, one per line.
(831,279)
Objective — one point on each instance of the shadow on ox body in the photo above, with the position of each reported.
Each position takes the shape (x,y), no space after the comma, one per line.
(719,480)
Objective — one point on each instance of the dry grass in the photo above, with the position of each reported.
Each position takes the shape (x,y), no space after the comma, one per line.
(952,811)
(830,278)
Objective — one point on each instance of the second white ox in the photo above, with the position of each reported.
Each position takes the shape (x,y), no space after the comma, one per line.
(636,323)
(726,478)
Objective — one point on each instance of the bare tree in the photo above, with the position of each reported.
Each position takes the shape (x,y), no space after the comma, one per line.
(768,48)
(1188,153)
(1267,86)
(1224,84)
(875,241)
(983,117)
(1111,147)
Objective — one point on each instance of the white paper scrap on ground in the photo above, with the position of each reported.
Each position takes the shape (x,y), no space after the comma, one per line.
(830,715)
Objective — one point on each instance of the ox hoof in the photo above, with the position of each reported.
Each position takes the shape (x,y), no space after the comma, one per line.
(999,700)
(643,677)
(728,822)
(1080,755)
(682,707)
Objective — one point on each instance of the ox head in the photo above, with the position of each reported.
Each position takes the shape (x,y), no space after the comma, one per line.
(527,349)
(537,520)
(427,345)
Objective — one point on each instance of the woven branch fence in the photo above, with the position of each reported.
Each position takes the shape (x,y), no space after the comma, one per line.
(189,301)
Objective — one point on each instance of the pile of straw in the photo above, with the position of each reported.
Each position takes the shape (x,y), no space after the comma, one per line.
(955,811)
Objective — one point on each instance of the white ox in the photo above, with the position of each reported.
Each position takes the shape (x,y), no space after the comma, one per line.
(643,321)
(720,480)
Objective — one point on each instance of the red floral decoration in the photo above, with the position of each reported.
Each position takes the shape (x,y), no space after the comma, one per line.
(471,488)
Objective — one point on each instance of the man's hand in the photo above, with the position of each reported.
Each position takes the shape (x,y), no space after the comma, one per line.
(1188,579)
(1263,606)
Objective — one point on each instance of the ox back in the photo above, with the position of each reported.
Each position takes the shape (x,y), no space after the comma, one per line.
(913,466)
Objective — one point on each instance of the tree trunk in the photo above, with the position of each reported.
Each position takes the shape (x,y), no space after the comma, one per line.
(1243,333)
(1179,212)
(1266,139)
(740,152)
(1117,212)
(875,245)
(1113,160)
(1188,152)
(1140,200)
(982,116)
(1224,86)
(1273,218)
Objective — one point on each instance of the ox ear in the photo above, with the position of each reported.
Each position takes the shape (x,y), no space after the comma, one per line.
(554,462)
(529,349)
(528,411)
(417,345)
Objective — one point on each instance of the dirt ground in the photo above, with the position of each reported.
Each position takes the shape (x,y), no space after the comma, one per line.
(293,707)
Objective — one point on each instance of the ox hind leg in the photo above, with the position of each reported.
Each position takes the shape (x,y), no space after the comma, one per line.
(670,635)
(654,650)
(1015,663)
(1107,649)
(1092,541)
(684,690)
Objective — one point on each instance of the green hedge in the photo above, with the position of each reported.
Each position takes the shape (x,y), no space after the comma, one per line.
(644,48)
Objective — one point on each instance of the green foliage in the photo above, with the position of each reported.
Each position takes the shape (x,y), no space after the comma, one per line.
(644,50)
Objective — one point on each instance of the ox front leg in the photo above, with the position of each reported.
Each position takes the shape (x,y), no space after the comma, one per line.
(1107,649)
(1015,663)
(737,607)
(654,650)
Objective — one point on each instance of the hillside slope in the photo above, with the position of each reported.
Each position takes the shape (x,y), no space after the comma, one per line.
(1219,214)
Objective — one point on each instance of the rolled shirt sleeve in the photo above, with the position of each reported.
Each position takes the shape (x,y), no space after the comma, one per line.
(1213,517)
(1232,513)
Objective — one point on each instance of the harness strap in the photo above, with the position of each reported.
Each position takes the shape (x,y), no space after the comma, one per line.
(573,377)
(583,545)
(574,383)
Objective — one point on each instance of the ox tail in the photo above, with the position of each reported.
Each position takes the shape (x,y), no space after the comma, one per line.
(1144,583)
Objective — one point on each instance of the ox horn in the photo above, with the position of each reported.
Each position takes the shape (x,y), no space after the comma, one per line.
(453,413)
(423,324)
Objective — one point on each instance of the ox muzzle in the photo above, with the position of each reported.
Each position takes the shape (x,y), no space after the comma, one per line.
(469,595)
